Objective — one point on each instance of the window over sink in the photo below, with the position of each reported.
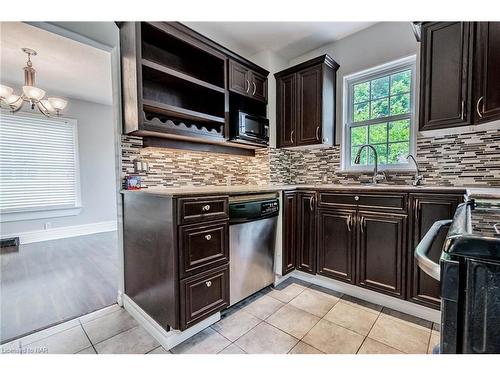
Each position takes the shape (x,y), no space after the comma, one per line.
(379,109)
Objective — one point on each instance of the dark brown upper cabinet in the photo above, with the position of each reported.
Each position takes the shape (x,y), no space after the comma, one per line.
(487,72)
(175,86)
(306,231)
(247,82)
(381,252)
(459,74)
(305,103)
(289,232)
(426,209)
(446,75)
(336,243)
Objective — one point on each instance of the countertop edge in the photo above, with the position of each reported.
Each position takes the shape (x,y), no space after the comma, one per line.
(472,192)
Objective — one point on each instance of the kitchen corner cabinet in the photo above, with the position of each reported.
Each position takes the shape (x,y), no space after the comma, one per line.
(305,103)
(176,255)
(459,74)
(306,232)
(426,209)
(247,82)
(299,232)
(289,232)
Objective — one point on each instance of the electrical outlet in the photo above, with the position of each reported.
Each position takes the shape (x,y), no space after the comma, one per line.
(47,225)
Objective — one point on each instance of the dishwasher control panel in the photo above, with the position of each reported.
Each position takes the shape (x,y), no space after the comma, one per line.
(269,207)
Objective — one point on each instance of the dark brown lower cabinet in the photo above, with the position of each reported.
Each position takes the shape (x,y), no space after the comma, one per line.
(426,210)
(336,244)
(367,244)
(306,232)
(289,232)
(177,273)
(381,252)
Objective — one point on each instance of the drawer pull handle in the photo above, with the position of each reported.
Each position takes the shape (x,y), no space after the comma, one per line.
(208,284)
(356,198)
(206,207)
(208,237)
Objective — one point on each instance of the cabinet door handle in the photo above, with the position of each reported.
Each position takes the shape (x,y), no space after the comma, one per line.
(348,220)
(248,86)
(356,198)
(311,204)
(362,224)
(477,107)
(462,113)
(208,283)
(317,133)
(415,208)
(254,88)
(208,237)
(206,207)
(291,136)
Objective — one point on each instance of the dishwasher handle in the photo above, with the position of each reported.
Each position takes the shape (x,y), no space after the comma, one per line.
(430,267)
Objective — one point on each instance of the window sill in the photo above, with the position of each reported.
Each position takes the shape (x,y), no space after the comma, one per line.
(33,215)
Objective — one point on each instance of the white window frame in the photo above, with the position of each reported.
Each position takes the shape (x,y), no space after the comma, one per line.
(366,75)
(49,212)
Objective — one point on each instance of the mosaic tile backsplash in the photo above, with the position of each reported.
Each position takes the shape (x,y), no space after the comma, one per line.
(471,158)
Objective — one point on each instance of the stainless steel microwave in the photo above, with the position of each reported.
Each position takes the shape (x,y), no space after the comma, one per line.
(251,128)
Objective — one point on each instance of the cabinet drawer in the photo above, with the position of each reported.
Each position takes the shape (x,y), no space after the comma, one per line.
(203,245)
(390,202)
(203,295)
(336,200)
(198,209)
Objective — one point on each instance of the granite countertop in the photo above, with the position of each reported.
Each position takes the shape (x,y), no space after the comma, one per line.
(473,192)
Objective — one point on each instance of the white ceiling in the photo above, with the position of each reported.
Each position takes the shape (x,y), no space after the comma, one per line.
(288,39)
(64,67)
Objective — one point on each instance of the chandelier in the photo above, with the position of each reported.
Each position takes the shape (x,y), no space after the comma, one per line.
(31,94)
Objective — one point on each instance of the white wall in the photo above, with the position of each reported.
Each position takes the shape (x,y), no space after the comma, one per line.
(378,44)
(97,170)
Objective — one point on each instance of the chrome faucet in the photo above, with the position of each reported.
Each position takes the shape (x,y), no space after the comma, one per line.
(418,177)
(376,176)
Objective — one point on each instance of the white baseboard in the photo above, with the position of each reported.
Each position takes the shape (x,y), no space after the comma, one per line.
(64,232)
(167,339)
(370,296)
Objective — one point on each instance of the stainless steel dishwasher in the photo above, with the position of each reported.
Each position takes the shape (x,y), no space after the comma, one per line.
(253,221)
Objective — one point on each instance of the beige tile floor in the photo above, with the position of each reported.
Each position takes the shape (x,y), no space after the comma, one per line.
(294,318)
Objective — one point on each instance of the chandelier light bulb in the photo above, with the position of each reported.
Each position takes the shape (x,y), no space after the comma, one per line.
(13,99)
(46,104)
(5,91)
(58,104)
(33,93)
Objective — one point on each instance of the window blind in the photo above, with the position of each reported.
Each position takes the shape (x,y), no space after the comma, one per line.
(38,163)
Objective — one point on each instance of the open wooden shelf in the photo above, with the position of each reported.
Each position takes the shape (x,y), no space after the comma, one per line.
(179,113)
(180,75)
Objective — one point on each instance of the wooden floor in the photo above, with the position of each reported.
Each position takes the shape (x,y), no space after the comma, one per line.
(49,282)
